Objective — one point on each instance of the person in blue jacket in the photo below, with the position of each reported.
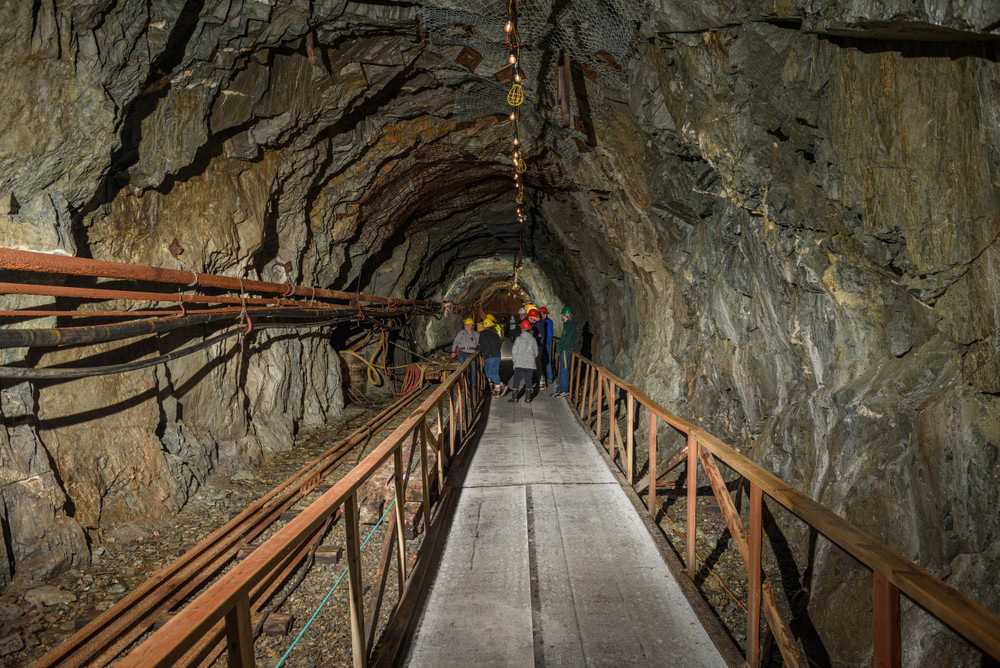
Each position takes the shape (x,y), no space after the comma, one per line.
(550,330)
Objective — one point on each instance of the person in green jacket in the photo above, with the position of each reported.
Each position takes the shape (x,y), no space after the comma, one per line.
(565,351)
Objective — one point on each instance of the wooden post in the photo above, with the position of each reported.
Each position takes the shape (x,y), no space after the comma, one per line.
(613,419)
(424,477)
(652,464)
(239,634)
(439,451)
(585,394)
(600,401)
(451,421)
(353,539)
(400,498)
(630,436)
(753,577)
(440,412)
(572,377)
(692,503)
(888,647)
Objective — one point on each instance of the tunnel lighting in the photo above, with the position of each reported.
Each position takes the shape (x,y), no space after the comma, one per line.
(517,77)
(517,142)
(508,27)
(512,59)
(512,116)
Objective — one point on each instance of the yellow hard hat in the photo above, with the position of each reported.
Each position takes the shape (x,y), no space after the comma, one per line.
(489,319)
(529,306)
(470,321)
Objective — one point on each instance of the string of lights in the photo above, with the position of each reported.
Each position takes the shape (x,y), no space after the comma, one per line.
(515,98)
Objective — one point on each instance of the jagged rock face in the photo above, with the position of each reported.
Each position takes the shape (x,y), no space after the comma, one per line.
(786,230)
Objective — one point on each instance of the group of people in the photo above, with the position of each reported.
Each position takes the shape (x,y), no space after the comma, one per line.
(531,332)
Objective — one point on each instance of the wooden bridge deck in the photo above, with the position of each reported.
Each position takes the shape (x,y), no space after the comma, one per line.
(548,562)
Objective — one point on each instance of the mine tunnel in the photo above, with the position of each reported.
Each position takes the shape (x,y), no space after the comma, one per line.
(277,387)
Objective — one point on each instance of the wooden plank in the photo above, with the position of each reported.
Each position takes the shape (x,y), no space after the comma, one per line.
(355,593)
(630,439)
(325,554)
(239,635)
(888,647)
(451,423)
(753,578)
(652,465)
(692,505)
(572,378)
(790,651)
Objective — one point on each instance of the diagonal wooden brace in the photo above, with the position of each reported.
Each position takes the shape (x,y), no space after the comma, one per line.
(790,651)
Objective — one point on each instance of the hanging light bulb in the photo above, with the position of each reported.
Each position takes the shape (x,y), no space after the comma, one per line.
(516,154)
(517,142)
(512,116)
(509,26)
(512,59)
(517,77)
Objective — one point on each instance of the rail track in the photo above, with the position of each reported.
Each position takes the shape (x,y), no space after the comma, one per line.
(114,631)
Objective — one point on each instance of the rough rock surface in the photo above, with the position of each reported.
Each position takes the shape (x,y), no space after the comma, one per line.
(785,228)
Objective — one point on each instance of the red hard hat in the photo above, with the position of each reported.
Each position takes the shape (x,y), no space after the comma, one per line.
(525,324)
(532,313)
(543,310)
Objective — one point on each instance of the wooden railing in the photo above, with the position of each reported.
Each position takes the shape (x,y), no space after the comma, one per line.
(593,386)
(228,601)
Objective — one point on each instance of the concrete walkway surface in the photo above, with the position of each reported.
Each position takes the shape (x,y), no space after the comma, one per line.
(547,561)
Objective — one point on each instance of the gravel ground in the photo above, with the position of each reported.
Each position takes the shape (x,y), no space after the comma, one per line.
(131,553)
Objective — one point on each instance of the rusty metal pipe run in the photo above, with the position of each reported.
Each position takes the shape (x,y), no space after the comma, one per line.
(63,336)
(19,260)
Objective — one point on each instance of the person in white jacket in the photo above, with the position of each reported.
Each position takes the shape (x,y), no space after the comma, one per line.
(525,358)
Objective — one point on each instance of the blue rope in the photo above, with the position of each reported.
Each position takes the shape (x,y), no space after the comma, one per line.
(332,589)
(337,583)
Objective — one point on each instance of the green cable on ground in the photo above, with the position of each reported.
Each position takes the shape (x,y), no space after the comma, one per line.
(337,583)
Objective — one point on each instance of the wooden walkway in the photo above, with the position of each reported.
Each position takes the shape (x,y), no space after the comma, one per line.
(547,562)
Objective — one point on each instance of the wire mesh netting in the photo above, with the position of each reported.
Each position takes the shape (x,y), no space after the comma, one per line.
(598,36)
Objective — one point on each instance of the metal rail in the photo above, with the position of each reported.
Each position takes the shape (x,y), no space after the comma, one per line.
(228,601)
(593,386)
(104,638)
(19,260)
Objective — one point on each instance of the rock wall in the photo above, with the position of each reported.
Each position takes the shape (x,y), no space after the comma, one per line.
(784,227)
(807,227)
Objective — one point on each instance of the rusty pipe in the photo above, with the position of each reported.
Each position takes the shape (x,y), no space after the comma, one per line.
(138,295)
(20,260)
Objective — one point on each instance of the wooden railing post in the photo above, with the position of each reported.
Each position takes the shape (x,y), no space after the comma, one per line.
(424,477)
(353,539)
(753,577)
(585,389)
(692,503)
(630,438)
(239,634)
(652,464)
(572,374)
(600,401)
(451,421)
(888,646)
(400,498)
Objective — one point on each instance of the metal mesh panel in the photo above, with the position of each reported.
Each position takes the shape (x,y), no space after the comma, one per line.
(598,35)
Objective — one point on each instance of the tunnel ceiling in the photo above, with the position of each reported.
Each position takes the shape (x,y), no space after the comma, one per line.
(778,219)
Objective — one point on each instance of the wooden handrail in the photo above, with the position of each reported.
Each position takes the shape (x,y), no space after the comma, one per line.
(225,598)
(975,623)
